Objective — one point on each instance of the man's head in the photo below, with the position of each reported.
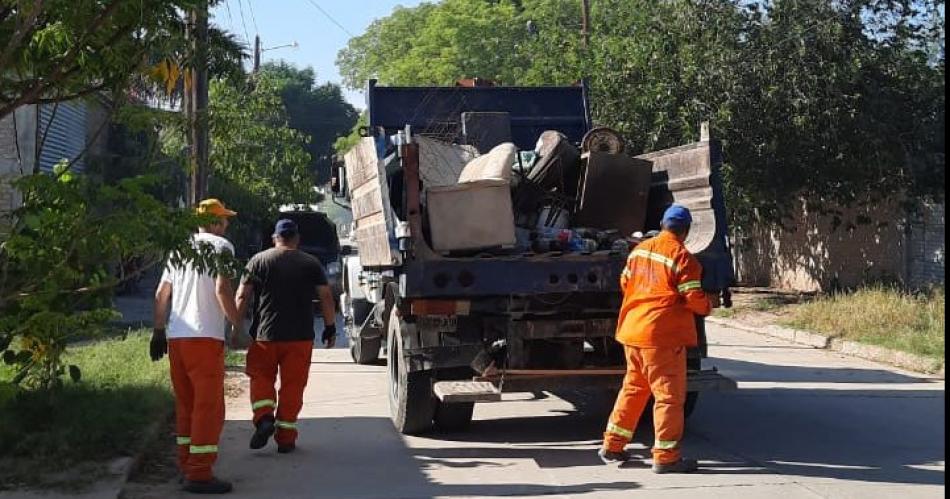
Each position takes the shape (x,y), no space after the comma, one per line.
(222,215)
(286,234)
(677,219)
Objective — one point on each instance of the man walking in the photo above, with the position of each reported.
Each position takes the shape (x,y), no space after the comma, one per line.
(662,294)
(194,341)
(283,282)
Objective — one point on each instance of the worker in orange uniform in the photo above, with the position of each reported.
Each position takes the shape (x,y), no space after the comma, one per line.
(194,341)
(662,293)
(283,281)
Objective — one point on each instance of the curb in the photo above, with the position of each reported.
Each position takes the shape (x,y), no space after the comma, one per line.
(135,462)
(874,353)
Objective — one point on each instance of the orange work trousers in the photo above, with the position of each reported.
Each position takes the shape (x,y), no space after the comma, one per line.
(660,372)
(197,372)
(292,360)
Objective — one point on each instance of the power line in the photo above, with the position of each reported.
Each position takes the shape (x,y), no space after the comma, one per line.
(250,5)
(328,16)
(243,22)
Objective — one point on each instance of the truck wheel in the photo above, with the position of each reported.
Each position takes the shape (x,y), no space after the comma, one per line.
(365,350)
(362,350)
(411,403)
(454,417)
(690,406)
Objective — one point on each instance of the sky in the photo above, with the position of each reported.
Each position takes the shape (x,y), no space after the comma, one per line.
(320,27)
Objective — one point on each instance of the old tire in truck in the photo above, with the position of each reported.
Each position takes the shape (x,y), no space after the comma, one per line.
(411,402)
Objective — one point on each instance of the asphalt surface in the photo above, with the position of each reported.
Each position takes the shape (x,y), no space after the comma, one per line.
(804,423)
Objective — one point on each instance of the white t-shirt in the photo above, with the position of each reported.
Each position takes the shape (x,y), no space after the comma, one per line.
(195,310)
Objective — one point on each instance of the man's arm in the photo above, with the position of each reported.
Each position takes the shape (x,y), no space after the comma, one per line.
(244,293)
(158,345)
(328,310)
(163,297)
(225,294)
(690,285)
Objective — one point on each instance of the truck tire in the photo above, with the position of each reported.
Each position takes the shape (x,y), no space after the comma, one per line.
(454,417)
(362,350)
(411,402)
(365,350)
(691,399)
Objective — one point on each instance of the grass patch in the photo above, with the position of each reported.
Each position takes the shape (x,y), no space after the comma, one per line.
(99,418)
(880,316)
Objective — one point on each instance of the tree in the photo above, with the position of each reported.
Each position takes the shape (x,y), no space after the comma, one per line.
(56,50)
(258,162)
(836,102)
(317,111)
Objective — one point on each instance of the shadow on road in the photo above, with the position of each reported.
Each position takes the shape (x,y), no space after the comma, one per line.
(362,457)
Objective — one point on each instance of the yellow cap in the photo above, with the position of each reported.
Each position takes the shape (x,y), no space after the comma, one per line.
(214,207)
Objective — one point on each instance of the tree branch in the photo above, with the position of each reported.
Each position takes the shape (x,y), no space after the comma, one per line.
(23,30)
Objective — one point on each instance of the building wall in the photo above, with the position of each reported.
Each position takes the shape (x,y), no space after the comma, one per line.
(814,255)
(927,247)
(17,154)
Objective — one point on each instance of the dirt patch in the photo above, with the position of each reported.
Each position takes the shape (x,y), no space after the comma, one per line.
(235,384)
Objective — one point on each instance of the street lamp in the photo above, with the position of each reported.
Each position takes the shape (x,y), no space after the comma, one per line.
(258,50)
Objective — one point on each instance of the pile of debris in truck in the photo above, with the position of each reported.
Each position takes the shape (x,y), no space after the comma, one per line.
(555,198)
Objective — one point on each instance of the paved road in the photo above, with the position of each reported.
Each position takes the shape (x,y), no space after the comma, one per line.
(804,423)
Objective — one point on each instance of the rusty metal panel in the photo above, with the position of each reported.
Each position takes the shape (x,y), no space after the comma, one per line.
(372,212)
(683,175)
(689,175)
(614,193)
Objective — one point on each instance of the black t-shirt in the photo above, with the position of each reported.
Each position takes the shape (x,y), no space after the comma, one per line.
(285,285)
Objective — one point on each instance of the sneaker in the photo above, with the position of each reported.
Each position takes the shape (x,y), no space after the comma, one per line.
(213,486)
(286,448)
(264,430)
(610,457)
(681,466)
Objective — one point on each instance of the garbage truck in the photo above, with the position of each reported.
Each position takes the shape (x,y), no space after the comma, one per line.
(491,226)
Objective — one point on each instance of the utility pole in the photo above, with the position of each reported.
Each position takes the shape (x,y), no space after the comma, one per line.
(585,22)
(257,53)
(196,104)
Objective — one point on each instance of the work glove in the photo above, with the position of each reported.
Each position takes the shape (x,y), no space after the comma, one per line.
(158,346)
(329,335)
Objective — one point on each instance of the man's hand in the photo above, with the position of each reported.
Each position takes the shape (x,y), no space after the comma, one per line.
(158,346)
(329,336)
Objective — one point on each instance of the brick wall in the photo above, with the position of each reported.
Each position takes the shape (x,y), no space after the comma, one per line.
(927,246)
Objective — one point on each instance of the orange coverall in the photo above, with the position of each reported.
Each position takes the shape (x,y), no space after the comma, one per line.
(292,358)
(197,372)
(662,293)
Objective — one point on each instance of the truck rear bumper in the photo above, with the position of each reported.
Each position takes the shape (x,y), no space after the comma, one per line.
(490,388)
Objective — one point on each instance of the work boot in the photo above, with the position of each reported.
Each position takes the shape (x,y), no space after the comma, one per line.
(610,457)
(265,428)
(680,466)
(286,448)
(213,486)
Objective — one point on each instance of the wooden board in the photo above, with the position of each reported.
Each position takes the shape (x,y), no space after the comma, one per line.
(369,196)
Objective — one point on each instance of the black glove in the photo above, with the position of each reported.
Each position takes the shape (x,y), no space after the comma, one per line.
(329,335)
(158,346)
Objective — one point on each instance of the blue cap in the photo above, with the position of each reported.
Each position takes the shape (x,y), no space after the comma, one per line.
(677,216)
(285,228)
